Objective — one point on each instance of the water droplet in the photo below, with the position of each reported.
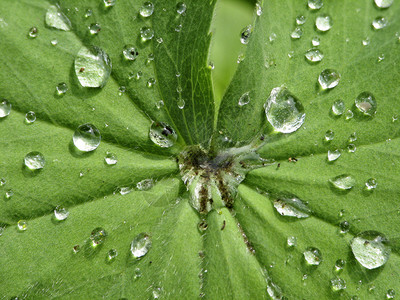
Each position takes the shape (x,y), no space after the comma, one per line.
(178,28)
(371,184)
(291,206)
(300,20)
(291,54)
(151,82)
(338,107)
(366,41)
(34,160)
(56,19)
(61,213)
(353,137)
(296,33)
(291,241)
(54,42)
(390,294)
(94,28)
(383,3)
(130,52)
(202,225)
(109,3)
(33,32)
(343,182)
(88,13)
(149,59)
(245,34)
(112,254)
(315,4)
(146,33)
(315,41)
(329,135)
(159,104)
(147,9)
(137,273)
(338,284)
(284,111)
(162,134)
(334,155)
(348,114)
(61,88)
(181,103)
(313,256)
(259,9)
(98,236)
(366,103)
(344,227)
(379,23)
(9,194)
(371,249)
(5,108)
(2,181)
(92,67)
(121,90)
(145,184)
(328,79)
(87,137)
(22,225)
(381,57)
(339,265)
(30,117)
(181,8)
(314,55)
(110,159)
(138,75)
(323,23)
(125,190)
(240,58)
(140,245)
(244,99)
(272,37)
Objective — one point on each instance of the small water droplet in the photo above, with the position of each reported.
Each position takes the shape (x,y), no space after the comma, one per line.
(162,134)
(296,33)
(181,103)
(5,108)
(140,245)
(33,32)
(291,206)
(211,65)
(371,184)
(121,90)
(314,55)
(54,42)
(98,236)
(334,155)
(61,213)
(159,104)
(315,41)
(125,190)
(3,181)
(146,33)
(328,79)
(178,28)
(338,107)
(344,227)
(379,23)
(353,137)
(138,75)
(22,225)
(88,13)
(34,160)
(61,88)
(109,3)
(137,273)
(329,135)
(338,284)
(348,114)
(92,67)
(202,225)
(323,22)
(343,182)
(300,20)
(110,158)
(30,117)
(94,28)
(383,3)
(291,241)
(181,8)
(312,256)
(339,265)
(244,99)
(272,37)
(245,34)
(284,111)
(240,58)
(315,4)
(147,9)
(371,249)
(130,52)
(9,194)
(381,57)
(366,41)
(112,255)
(151,82)
(259,9)
(145,184)
(56,19)
(390,294)
(366,103)
(86,137)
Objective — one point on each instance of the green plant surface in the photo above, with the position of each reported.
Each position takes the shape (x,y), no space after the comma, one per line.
(243,252)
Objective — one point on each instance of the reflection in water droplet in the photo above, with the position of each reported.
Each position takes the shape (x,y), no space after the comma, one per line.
(34,160)
(244,99)
(284,111)
(366,103)
(162,134)
(61,213)
(181,8)
(334,155)
(338,284)
(343,182)
(329,78)
(30,117)
(92,67)
(56,19)
(130,52)
(110,159)
(86,137)
(33,32)
(371,184)
(147,9)
(146,33)
(22,225)
(140,245)
(379,23)
(314,55)
(5,108)
(315,4)
(371,249)
(312,256)
(296,33)
(323,23)
(245,34)
(98,236)
(61,88)
(291,206)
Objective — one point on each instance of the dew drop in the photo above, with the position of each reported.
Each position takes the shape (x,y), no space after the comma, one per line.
(338,107)
(202,225)
(366,41)
(147,9)
(145,184)
(329,135)
(61,213)
(121,90)
(315,4)
(344,227)
(366,103)
(245,34)
(343,182)
(125,190)
(314,55)
(94,28)
(130,52)
(112,255)
(181,8)
(137,273)
(334,154)
(162,134)
(259,9)
(371,184)
(338,284)
(88,13)
(244,99)
(181,103)
(348,114)
(272,37)
(2,181)
(300,20)
(383,3)
(371,249)
(291,206)
(92,67)
(22,225)
(291,241)
(109,3)
(339,265)
(312,256)
(54,42)
(146,33)
(30,117)
(56,19)
(98,236)
(140,245)
(284,111)
(34,160)
(76,249)
(110,159)
(151,82)
(390,294)
(61,88)
(323,23)
(5,108)
(86,137)
(33,32)
(296,33)
(379,23)
(328,79)
(315,41)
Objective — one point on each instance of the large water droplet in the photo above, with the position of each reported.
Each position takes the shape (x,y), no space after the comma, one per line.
(130,52)
(329,78)
(147,9)
(245,34)
(98,236)
(366,103)
(343,182)
(140,245)
(291,206)
(371,249)
(338,284)
(87,137)
(30,117)
(56,19)
(315,4)
(338,107)
(5,108)
(383,3)
(244,99)
(162,134)
(34,160)
(181,8)
(284,111)
(92,67)
(312,256)
(379,23)
(323,23)
(314,55)
(146,33)
(61,213)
